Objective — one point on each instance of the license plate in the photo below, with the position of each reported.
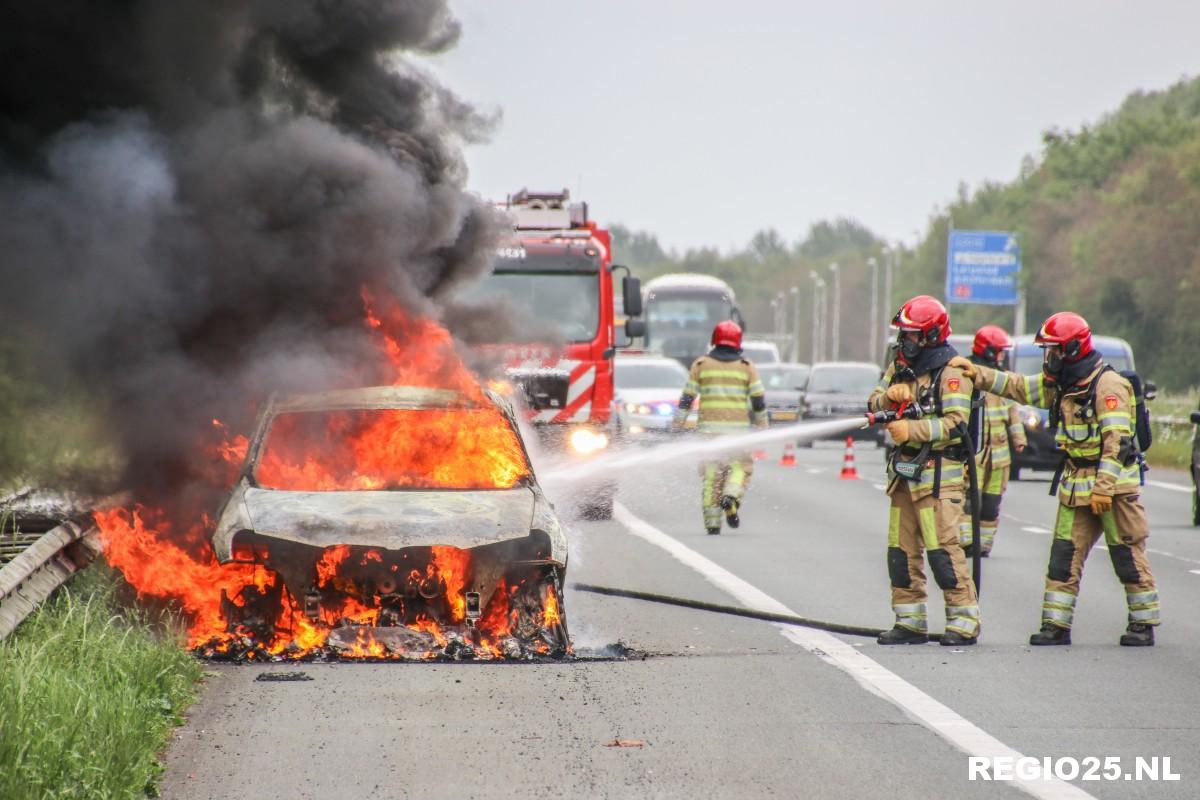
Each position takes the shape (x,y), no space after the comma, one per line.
(786,416)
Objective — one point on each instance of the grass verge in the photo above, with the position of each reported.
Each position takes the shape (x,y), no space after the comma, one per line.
(1172,446)
(89,693)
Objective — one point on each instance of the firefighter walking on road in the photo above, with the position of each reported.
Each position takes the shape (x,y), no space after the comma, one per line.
(1002,434)
(732,398)
(926,476)
(1099,481)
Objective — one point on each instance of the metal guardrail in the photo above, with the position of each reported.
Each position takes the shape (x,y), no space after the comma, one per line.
(40,568)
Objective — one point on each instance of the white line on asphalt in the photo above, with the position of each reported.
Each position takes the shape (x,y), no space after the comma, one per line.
(814,470)
(1194,571)
(1175,487)
(1172,555)
(1155,551)
(881,487)
(872,675)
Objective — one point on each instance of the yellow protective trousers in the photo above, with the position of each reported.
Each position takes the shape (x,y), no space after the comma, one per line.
(930,526)
(1076,531)
(728,478)
(993,481)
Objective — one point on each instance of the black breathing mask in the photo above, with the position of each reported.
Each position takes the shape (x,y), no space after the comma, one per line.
(908,349)
(1053,363)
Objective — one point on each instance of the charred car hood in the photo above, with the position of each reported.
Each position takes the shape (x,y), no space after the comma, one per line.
(390,520)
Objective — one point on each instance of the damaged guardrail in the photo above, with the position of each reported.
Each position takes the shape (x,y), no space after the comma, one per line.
(34,573)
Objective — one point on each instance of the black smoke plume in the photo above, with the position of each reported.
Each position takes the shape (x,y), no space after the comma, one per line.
(194,193)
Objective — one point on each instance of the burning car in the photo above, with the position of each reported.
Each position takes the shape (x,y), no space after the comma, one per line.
(396,522)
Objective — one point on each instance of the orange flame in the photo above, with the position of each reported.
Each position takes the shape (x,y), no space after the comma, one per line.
(391,449)
(462,448)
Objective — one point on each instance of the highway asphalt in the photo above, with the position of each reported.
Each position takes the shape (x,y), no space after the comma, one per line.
(722,706)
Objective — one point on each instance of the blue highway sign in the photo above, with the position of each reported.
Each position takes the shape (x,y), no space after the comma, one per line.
(982,267)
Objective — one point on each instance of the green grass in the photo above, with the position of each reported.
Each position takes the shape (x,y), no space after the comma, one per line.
(1172,446)
(89,693)
(52,432)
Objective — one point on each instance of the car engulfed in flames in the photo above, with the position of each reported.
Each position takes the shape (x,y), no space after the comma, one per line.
(392,522)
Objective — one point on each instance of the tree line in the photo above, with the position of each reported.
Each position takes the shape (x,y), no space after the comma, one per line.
(1108,217)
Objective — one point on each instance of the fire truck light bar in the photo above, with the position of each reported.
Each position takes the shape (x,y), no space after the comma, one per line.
(545,211)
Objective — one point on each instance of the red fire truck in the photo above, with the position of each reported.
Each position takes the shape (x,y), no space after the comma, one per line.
(556,273)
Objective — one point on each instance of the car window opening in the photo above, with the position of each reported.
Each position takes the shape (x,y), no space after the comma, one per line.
(390,449)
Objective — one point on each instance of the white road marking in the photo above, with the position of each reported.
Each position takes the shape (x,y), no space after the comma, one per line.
(814,470)
(1194,571)
(880,486)
(1172,555)
(870,674)
(1155,551)
(1175,487)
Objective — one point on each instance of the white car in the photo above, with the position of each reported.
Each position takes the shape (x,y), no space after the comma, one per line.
(647,393)
(405,517)
(760,352)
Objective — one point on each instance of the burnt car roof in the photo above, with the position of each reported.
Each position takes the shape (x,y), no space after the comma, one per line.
(372,397)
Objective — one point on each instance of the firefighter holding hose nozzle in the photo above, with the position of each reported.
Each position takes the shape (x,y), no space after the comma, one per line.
(1002,434)
(732,398)
(1100,424)
(926,402)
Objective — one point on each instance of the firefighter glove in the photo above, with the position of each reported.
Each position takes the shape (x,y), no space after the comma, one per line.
(899,431)
(968,369)
(899,393)
(1101,503)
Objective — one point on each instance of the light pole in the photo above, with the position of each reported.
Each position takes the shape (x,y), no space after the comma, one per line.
(837,312)
(780,313)
(873,319)
(889,258)
(795,292)
(817,323)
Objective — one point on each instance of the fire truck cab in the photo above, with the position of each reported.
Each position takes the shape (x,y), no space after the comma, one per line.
(556,272)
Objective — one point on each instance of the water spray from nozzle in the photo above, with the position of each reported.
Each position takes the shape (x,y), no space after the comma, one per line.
(690,448)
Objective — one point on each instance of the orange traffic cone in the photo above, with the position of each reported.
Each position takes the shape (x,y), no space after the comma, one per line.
(788,459)
(849,473)
(759,455)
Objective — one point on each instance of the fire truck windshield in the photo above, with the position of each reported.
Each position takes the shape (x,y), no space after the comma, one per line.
(568,302)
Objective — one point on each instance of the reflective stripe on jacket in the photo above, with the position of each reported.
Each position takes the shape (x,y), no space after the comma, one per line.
(724,389)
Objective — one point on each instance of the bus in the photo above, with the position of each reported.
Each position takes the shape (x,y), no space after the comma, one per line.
(681,310)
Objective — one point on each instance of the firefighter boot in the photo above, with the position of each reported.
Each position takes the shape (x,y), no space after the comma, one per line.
(731,511)
(898,635)
(1138,634)
(713,531)
(956,639)
(1051,634)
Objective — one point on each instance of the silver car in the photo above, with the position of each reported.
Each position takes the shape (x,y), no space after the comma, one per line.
(647,394)
(408,519)
(783,382)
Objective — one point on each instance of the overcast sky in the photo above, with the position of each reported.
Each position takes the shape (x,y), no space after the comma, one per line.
(704,121)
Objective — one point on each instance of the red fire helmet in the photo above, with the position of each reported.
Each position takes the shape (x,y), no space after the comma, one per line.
(728,333)
(990,341)
(927,315)
(1068,330)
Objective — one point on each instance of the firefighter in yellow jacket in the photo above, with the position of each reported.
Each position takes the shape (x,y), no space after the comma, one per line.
(1002,433)
(1099,481)
(926,476)
(731,399)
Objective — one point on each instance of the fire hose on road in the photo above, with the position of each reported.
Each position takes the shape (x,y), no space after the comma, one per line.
(736,611)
